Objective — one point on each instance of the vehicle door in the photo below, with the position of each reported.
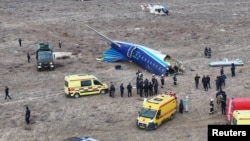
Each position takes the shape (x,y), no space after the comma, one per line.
(86,87)
(97,86)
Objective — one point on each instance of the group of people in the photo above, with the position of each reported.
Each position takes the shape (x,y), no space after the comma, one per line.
(184,105)
(221,97)
(207,52)
(205,82)
(112,90)
(144,87)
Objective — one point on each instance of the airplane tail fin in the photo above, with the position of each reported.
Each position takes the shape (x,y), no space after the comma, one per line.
(105,37)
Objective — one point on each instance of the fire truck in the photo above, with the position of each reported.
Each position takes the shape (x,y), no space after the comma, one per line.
(237,110)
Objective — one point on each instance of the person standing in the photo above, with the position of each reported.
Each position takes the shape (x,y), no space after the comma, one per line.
(141,88)
(205,52)
(129,88)
(217,83)
(137,84)
(155,85)
(181,106)
(211,106)
(223,80)
(209,52)
(150,89)
(221,70)
(7,93)
(28,57)
(233,70)
(208,81)
(60,43)
(20,42)
(223,103)
(175,79)
(112,90)
(27,115)
(146,89)
(196,79)
(122,89)
(204,82)
(186,103)
(162,80)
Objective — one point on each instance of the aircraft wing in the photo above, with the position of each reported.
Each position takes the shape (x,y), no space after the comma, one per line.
(105,37)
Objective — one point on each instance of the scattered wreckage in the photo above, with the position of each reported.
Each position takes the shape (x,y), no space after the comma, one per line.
(156,9)
(226,62)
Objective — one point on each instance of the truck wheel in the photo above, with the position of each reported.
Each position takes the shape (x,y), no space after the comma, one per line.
(156,126)
(171,117)
(102,92)
(76,95)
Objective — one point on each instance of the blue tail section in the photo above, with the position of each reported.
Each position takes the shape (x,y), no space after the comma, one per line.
(113,55)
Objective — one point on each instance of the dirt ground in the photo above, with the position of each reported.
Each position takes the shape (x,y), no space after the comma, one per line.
(222,25)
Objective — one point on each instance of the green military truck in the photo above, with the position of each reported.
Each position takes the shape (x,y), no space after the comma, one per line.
(44,56)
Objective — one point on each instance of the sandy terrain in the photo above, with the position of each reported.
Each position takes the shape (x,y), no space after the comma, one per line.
(222,25)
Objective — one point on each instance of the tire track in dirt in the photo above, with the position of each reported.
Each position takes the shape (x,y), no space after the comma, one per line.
(36,98)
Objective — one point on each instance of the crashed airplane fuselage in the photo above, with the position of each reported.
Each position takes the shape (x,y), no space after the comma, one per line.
(147,58)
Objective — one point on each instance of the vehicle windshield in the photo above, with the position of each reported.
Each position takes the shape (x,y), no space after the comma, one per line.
(45,56)
(148,113)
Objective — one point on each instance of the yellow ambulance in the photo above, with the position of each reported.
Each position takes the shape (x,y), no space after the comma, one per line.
(241,117)
(156,111)
(80,85)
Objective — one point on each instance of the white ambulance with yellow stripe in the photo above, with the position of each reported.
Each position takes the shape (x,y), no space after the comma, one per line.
(156,111)
(80,85)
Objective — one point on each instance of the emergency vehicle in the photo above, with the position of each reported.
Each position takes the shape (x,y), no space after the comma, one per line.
(156,111)
(241,117)
(80,85)
(236,104)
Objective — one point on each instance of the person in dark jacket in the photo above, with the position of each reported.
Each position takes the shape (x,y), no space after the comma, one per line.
(181,106)
(112,90)
(145,89)
(162,81)
(129,88)
(196,79)
(122,89)
(7,93)
(221,70)
(223,80)
(28,57)
(138,84)
(141,88)
(217,83)
(223,102)
(209,52)
(208,81)
(60,44)
(233,70)
(205,52)
(27,115)
(155,85)
(204,82)
(150,88)
(175,79)
(20,42)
